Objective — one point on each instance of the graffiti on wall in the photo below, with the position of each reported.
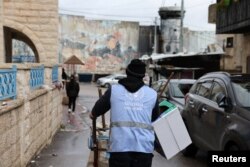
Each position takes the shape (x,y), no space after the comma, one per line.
(104,46)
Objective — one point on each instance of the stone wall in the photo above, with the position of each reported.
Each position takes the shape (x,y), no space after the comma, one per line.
(28,123)
(246,53)
(238,50)
(10,135)
(1,31)
(37,20)
(235,59)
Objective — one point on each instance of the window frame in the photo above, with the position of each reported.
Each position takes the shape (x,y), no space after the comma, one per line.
(198,87)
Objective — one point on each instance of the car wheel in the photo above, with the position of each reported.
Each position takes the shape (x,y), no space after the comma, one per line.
(190,151)
(107,85)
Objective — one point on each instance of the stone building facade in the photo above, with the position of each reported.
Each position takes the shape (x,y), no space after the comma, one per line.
(35,19)
(237,52)
(29,122)
(1,30)
(232,27)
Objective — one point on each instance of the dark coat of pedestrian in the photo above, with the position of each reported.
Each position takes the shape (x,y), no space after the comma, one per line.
(64,77)
(72,90)
(133,107)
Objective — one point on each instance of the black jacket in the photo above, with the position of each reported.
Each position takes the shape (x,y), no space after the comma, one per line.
(132,85)
(64,75)
(72,88)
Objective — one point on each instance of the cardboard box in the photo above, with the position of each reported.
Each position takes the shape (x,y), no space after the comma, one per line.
(171,132)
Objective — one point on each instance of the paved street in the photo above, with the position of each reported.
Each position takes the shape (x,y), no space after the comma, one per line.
(69,147)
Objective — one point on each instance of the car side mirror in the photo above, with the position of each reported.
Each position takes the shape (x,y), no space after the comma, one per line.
(221,100)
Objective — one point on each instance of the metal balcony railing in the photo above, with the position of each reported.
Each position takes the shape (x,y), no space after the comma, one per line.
(234,18)
(8,83)
(36,77)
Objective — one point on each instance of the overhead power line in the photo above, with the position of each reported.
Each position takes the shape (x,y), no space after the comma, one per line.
(105,9)
(102,14)
(116,16)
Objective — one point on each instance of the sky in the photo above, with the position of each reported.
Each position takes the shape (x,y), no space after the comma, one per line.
(143,11)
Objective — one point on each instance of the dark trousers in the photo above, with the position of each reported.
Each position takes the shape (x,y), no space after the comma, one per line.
(72,101)
(130,159)
(63,82)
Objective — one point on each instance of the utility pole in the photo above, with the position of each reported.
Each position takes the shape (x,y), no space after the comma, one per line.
(181,32)
(155,36)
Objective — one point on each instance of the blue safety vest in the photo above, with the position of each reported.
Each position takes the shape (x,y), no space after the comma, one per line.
(131,114)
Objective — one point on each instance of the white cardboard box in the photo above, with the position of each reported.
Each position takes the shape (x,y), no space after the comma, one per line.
(172,133)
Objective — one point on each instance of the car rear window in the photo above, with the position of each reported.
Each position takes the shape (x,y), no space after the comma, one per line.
(179,90)
(241,88)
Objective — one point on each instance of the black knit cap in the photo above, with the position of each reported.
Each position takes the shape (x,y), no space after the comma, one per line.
(136,68)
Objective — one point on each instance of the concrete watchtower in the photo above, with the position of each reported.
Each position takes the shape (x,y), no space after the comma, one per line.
(170,28)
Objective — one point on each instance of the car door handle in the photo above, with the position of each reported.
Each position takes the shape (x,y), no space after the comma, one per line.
(228,119)
(191,102)
(204,109)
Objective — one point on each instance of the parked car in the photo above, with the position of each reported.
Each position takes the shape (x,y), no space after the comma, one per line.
(175,91)
(107,81)
(217,113)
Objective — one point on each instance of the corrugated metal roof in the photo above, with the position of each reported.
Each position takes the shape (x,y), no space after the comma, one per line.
(156,56)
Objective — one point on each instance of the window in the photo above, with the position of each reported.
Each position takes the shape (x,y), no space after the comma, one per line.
(242,92)
(204,89)
(19,47)
(217,89)
(230,42)
(119,77)
(180,89)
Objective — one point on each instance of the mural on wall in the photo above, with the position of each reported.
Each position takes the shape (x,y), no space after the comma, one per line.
(104,46)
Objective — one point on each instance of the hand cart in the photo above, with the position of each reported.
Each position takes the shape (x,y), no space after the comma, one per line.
(98,142)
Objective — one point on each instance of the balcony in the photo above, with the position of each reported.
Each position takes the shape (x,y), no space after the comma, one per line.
(233,17)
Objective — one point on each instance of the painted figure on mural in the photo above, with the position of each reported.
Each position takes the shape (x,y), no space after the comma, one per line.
(112,47)
(175,39)
(129,54)
(173,42)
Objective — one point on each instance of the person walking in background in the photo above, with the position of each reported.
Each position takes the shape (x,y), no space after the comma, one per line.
(64,77)
(133,107)
(72,90)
